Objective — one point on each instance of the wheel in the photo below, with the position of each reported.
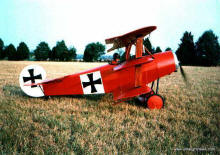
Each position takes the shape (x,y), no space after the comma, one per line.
(155,102)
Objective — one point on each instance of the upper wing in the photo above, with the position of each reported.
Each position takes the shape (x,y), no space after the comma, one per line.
(129,38)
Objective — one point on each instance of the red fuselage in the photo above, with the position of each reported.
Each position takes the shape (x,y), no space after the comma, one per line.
(128,77)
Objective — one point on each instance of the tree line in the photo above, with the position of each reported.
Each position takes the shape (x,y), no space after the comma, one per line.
(60,52)
(204,52)
(42,52)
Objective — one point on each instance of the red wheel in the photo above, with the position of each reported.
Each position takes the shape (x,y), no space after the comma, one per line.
(155,102)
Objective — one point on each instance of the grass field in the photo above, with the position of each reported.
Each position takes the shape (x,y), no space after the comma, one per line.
(189,122)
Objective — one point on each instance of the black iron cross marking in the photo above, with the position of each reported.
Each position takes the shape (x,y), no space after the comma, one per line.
(32,77)
(91,83)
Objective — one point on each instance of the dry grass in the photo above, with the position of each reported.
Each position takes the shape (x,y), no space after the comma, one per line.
(91,125)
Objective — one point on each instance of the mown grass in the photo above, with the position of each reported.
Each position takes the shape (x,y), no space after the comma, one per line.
(91,125)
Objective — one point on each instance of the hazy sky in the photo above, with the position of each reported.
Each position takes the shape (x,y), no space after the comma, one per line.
(80,22)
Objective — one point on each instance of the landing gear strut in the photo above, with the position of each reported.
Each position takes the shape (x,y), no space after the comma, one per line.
(153,100)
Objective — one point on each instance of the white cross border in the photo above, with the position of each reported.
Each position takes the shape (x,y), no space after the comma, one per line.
(96,76)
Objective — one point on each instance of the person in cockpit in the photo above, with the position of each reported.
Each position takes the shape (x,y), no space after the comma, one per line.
(116,59)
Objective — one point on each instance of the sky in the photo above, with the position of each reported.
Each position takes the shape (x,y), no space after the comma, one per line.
(80,22)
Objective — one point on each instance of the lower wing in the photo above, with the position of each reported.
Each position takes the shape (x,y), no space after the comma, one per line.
(123,94)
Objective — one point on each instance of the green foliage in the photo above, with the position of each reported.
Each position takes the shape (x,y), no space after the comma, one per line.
(61,50)
(71,54)
(206,52)
(57,50)
(52,54)
(93,51)
(148,45)
(158,50)
(2,52)
(22,51)
(61,53)
(208,49)
(186,53)
(11,52)
(42,51)
(1,44)
(168,49)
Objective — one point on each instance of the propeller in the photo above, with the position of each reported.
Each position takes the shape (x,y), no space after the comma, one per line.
(183,74)
(179,65)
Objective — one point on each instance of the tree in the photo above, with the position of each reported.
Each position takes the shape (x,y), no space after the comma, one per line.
(2,52)
(22,51)
(186,51)
(93,51)
(71,54)
(11,52)
(42,51)
(52,54)
(158,50)
(208,49)
(148,45)
(168,49)
(60,52)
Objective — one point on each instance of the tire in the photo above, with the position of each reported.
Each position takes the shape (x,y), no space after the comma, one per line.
(155,101)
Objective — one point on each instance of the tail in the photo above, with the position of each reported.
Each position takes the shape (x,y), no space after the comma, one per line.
(29,78)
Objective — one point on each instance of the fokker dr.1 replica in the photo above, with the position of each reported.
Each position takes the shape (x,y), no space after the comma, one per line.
(124,80)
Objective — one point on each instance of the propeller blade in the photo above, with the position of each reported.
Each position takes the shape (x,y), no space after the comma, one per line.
(183,74)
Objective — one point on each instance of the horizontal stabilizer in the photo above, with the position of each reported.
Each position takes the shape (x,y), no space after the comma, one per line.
(29,79)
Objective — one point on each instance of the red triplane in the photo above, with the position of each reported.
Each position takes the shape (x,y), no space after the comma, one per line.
(125,80)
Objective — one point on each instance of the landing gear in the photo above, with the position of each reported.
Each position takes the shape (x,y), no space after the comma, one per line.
(153,100)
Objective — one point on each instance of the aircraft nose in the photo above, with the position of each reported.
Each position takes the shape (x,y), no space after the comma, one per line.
(177,63)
